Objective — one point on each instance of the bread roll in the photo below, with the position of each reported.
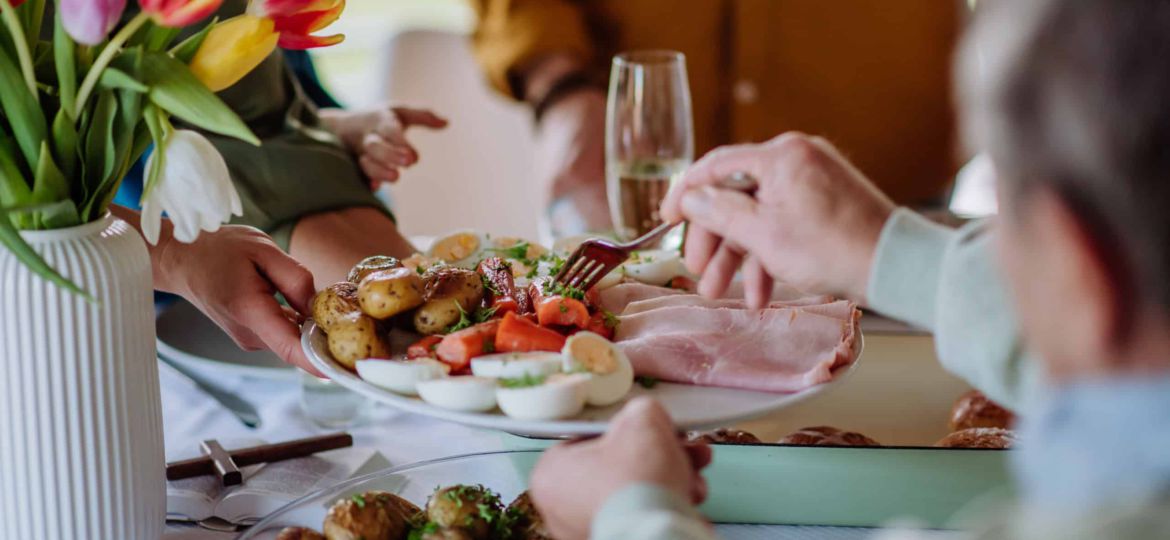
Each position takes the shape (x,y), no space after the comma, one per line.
(827,436)
(974,410)
(723,436)
(979,438)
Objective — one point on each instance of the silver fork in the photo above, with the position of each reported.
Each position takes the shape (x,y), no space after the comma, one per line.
(596,258)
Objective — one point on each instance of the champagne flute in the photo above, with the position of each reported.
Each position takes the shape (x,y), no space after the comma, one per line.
(649,140)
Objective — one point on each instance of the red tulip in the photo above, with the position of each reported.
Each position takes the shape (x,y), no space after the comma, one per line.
(296,20)
(179,13)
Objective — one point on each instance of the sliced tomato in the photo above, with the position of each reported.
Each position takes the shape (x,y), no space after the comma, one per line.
(424,348)
(458,348)
(562,311)
(598,325)
(518,334)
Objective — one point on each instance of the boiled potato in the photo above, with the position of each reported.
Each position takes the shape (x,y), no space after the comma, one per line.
(369,265)
(387,293)
(370,515)
(448,289)
(336,302)
(459,507)
(355,337)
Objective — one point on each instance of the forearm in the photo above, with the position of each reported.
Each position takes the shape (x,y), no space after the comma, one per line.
(945,280)
(646,512)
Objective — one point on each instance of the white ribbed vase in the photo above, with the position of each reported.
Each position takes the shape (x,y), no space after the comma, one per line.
(81,445)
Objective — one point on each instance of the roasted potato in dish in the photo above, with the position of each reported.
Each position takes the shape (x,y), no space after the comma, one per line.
(529,525)
(448,533)
(334,303)
(356,337)
(369,265)
(463,507)
(447,291)
(299,533)
(368,516)
(387,293)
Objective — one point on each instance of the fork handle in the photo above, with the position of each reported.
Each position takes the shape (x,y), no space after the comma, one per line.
(737,181)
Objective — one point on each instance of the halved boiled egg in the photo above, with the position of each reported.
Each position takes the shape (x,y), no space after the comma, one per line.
(508,247)
(655,267)
(613,376)
(516,364)
(464,393)
(560,395)
(463,248)
(401,376)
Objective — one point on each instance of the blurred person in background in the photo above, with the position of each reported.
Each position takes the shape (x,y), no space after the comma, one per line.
(1071,109)
(872,76)
(310,184)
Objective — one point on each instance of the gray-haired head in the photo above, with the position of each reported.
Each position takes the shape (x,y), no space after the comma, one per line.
(1074,96)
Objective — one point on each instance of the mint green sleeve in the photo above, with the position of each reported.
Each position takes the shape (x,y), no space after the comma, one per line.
(945,280)
(647,512)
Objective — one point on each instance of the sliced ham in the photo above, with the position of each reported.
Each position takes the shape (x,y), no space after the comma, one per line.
(824,304)
(795,343)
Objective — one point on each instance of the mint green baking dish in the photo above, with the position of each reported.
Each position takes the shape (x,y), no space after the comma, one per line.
(844,486)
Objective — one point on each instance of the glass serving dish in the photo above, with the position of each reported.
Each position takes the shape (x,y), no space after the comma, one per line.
(504,472)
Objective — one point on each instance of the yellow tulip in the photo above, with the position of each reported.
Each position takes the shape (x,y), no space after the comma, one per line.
(233,49)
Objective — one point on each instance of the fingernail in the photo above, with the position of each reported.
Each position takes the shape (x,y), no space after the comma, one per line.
(696,202)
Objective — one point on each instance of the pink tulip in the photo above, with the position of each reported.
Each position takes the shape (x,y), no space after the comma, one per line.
(89,21)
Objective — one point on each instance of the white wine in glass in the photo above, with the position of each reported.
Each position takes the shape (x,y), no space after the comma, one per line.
(649,139)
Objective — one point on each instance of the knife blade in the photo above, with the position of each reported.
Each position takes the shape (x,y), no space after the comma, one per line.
(241,409)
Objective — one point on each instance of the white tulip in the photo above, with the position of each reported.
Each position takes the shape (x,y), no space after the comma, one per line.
(194,189)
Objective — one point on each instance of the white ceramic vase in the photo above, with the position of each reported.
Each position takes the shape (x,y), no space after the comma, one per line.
(81,445)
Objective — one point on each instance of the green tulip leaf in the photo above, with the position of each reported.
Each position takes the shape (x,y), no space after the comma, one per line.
(24,253)
(114,78)
(176,90)
(99,157)
(186,49)
(65,143)
(65,60)
(158,38)
(22,110)
(14,190)
(32,14)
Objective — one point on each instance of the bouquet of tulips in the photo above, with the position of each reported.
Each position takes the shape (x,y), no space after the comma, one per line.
(85,92)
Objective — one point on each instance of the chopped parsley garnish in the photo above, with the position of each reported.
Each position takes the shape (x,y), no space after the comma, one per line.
(517,251)
(359,501)
(564,308)
(646,381)
(487,284)
(611,321)
(552,288)
(524,381)
(467,320)
(463,322)
(420,270)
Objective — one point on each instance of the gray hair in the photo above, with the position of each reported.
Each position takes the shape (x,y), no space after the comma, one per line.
(1074,96)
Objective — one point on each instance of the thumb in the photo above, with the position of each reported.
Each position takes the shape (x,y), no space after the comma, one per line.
(642,417)
(729,214)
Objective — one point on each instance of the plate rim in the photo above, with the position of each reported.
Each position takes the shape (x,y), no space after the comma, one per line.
(547,428)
